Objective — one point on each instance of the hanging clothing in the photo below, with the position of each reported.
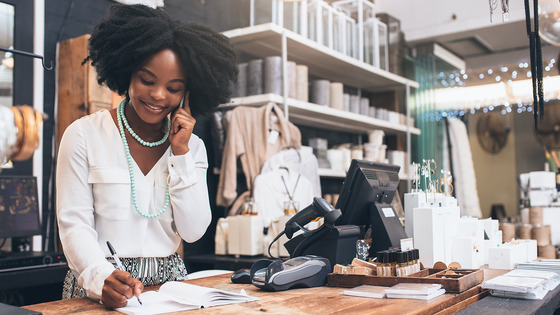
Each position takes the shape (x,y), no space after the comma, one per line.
(299,161)
(254,135)
(464,180)
(273,188)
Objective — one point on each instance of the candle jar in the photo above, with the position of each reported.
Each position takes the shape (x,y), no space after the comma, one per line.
(291,207)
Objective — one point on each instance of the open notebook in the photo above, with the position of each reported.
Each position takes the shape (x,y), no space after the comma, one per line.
(179,296)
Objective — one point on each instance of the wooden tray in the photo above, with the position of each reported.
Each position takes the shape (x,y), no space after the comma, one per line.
(463,279)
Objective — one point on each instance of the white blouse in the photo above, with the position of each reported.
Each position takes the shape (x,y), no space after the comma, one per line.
(94,200)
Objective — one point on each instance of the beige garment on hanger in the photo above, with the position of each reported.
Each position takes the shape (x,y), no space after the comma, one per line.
(251,137)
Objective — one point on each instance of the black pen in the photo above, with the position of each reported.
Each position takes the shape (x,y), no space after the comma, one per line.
(119,263)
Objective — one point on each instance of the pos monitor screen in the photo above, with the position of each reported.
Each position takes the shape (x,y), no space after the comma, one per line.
(19,206)
(365,200)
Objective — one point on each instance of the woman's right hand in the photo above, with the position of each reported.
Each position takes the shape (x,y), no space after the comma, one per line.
(118,288)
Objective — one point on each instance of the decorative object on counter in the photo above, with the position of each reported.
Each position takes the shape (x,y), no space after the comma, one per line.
(320,90)
(255,77)
(272,74)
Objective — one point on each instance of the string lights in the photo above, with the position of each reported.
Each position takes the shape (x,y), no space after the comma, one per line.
(511,79)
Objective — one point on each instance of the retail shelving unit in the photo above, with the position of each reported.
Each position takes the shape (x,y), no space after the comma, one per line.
(272,40)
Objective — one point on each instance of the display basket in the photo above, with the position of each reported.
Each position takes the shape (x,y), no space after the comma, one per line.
(452,280)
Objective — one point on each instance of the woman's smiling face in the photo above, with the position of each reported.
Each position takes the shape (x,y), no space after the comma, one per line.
(157,87)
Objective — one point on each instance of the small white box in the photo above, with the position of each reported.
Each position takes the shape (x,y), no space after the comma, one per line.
(221,237)
(506,256)
(429,234)
(491,227)
(542,180)
(551,216)
(542,198)
(467,252)
(531,249)
(245,235)
(451,216)
(491,243)
(411,201)
(470,227)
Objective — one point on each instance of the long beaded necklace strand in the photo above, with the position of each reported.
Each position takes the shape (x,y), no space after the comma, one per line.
(120,119)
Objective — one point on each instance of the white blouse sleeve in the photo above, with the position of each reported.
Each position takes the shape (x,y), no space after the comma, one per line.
(74,200)
(188,191)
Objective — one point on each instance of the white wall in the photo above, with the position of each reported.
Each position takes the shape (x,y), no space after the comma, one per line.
(422,19)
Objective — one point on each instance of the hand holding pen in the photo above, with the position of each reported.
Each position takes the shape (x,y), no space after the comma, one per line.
(110,282)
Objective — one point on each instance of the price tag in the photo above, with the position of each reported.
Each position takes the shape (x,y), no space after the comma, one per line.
(406,244)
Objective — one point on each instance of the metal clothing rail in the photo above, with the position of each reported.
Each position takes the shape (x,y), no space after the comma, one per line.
(24,53)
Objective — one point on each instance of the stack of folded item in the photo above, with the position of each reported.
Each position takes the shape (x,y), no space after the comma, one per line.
(552,265)
(523,284)
(419,291)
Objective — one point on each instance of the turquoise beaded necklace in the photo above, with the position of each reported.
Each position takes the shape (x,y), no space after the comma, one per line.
(120,119)
(135,136)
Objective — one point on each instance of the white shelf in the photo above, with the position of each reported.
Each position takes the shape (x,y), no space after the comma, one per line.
(313,115)
(327,172)
(266,40)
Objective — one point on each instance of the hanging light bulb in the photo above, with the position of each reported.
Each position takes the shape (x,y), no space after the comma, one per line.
(549,21)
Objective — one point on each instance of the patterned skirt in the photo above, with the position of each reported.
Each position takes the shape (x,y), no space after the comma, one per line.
(148,270)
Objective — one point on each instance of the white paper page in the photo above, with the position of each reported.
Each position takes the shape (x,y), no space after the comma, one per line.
(416,296)
(155,303)
(514,284)
(203,295)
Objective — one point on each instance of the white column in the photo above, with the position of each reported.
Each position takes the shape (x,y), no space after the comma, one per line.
(38,87)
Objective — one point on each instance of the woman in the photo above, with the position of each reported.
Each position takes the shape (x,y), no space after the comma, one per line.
(136,175)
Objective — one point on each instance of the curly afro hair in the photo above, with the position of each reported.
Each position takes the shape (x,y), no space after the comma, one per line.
(129,34)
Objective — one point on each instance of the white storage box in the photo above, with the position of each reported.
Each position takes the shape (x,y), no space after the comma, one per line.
(551,216)
(467,252)
(429,234)
(411,201)
(542,180)
(245,235)
(506,256)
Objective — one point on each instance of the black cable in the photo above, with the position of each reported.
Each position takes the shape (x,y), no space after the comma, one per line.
(274,240)
(535,52)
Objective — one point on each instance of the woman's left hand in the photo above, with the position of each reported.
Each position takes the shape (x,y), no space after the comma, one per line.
(182,124)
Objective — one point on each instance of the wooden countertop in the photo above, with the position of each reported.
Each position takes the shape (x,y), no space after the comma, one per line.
(319,300)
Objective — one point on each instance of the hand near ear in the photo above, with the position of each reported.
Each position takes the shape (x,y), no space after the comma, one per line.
(182,124)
